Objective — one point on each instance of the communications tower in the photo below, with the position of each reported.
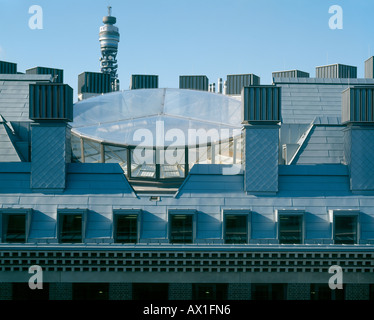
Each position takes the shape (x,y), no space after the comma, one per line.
(109,38)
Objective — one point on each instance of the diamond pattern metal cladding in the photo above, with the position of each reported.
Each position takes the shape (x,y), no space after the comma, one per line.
(261,161)
(48,168)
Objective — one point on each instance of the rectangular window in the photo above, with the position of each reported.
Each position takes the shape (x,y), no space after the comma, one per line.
(236,228)
(181,228)
(345,229)
(290,228)
(14,226)
(126,228)
(71,228)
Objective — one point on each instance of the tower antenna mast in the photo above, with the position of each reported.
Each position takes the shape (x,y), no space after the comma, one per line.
(109,38)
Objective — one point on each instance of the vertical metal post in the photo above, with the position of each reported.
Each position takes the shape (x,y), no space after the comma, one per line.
(82,150)
(102,153)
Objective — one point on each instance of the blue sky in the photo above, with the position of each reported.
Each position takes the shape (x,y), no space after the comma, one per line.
(174,37)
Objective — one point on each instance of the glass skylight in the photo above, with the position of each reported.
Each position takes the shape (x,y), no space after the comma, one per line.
(116,117)
(157,133)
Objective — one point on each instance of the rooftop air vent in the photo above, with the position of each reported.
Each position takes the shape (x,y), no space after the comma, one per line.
(51,102)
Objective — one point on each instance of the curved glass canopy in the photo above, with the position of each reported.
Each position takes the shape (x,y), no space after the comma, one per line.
(117,117)
(157,133)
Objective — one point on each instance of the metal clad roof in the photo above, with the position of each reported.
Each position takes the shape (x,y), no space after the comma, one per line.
(14,95)
(8,152)
(324,145)
(304,99)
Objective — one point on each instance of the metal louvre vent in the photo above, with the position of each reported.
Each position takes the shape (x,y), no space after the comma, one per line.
(261,103)
(94,82)
(358,104)
(235,82)
(194,82)
(290,74)
(57,74)
(336,71)
(51,102)
(140,81)
(8,67)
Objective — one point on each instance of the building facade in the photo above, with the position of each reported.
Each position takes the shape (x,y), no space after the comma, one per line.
(270,227)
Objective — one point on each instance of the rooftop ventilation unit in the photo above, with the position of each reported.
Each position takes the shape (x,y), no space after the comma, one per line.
(261,104)
(236,82)
(358,105)
(290,74)
(51,102)
(93,83)
(336,71)
(199,82)
(8,67)
(143,81)
(57,74)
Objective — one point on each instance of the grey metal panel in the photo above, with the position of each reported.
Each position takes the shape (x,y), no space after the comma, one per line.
(94,82)
(49,155)
(199,82)
(369,68)
(8,151)
(361,163)
(261,159)
(261,103)
(324,144)
(236,82)
(304,99)
(290,74)
(143,81)
(14,95)
(51,102)
(57,74)
(23,77)
(8,67)
(324,81)
(358,104)
(336,71)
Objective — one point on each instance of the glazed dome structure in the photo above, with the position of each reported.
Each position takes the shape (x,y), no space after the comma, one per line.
(157,133)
